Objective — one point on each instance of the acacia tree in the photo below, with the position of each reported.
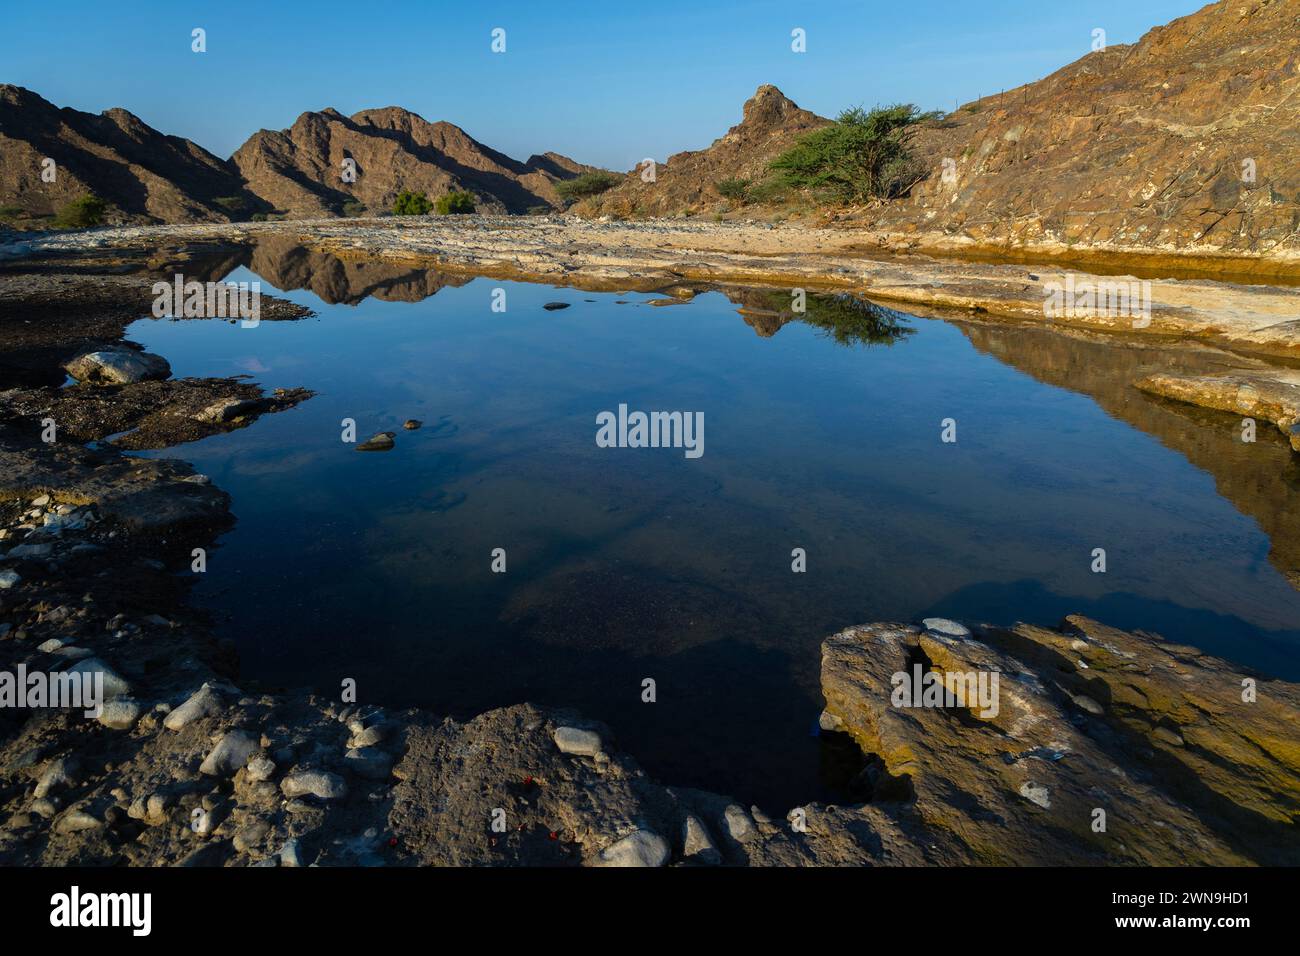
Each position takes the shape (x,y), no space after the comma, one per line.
(863,155)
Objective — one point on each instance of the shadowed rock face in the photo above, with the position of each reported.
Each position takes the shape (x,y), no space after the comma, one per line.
(1156,736)
(299,170)
(147,176)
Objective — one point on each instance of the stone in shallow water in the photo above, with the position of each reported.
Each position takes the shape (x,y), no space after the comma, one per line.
(552,306)
(382,441)
(639,848)
(571,740)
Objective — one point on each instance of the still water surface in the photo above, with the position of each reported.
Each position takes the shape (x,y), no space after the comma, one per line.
(626,564)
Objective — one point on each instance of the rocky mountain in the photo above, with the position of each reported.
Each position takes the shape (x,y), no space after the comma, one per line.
(769,125)
(147,176)
(301,170)
(1183,141)
(1186,138)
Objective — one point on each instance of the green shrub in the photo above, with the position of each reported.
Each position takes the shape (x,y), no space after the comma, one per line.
(412,204)
(456,203)
(735,189)
(259,217)
(352,208)
(82,213)
(11,212)
(587,184)
(861,156)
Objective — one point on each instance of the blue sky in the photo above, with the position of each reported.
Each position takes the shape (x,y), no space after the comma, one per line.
(607,83)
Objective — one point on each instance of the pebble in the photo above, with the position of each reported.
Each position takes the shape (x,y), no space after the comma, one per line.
(366,737)
(571,740)
(115,685)
(74,821)
(411,424)
(291,853)
(58,775)
(739,826)
(945,628)
(369,763)
(639,848)
(41,501)
(317,783)
(205,702)
(260,768)
(251,835)
(120,714)
(230,754)
(697,845)
(31,551)
(381,441)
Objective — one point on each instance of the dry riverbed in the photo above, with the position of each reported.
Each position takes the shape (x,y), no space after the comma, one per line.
(190,763)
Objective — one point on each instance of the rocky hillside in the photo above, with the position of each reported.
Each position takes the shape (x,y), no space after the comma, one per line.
(147,176)
(300,171)
(1184,141)
(770,124)
(1186,138)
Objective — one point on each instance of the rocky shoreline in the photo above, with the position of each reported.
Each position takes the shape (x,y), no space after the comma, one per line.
(190,765)
(685,256)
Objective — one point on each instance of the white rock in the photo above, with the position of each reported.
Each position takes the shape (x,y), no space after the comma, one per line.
(58,775)
(205,702)
(571,740)
(316,783)
(291,853)
(639,848)
(1036,793)
(115,685)
(8,579)
(739,826)
(117,366)
(230,754)
(697,845)
(120,714)
(260,768)
(945,628)
(75,821)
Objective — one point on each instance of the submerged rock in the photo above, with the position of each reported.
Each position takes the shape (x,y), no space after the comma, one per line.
(382,441)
